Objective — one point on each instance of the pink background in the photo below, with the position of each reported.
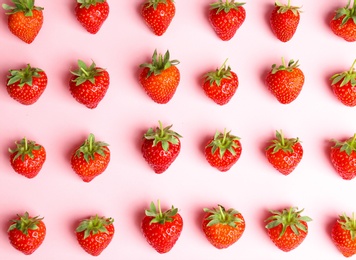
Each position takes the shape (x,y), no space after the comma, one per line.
(128,186)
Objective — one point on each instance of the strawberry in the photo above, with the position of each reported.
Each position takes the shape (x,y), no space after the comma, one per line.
(26,233)
(223,150)
(343,235)
(88,85)
(90,159)
(285,83)
(92,14)
(284,153)
(343,23)
(161,229)
(344,86)
(25,19)
(223,227)
(27,158)
(220,85)
(287,228)
(160,147)
(95,234)
(343,157)
(160,78)
(226,17)
(26,85)
(284,20)
(158,15)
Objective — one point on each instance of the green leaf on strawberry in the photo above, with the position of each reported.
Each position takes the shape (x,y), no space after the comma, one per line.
(224,142)
(84,73)
(222,216)
(290,67)
(216,76)
(25,223)
(25,6)
(348,13)
(23,76)
(282,8)
(94,225)
(25,148)
(87,3)
(226,6)
(159,63)
(345,77)
(90,147)
(158,216)
(347,146)
(281,143)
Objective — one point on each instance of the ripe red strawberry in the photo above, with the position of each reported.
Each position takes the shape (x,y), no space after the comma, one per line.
(88,85)
(92,14)
(25,19)
(90,159)
(27,158)
(284,20)
(223,150)
(220,85)
(343,23)
(223,227)
(344,86)
(287,228)
(161,229)
(27,233)
(226,17)
(160,147)
(95,234)
(285,83)
(343,235)
(343,157)
(158,15)
(26,85)
(160,78)
(284,153)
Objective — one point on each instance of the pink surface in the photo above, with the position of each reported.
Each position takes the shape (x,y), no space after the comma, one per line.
(127,187)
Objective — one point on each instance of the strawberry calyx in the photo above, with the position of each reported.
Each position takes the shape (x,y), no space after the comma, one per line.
(165,136)
(90,147)
(282,143)
(23,148)
(348,13)
(158,216)
(285,8)
(87,3)
(220,73)
(154,3)
(223,142)
(291,66)
(24,76)
(25,6)
(222,216)
(347,146)
(84,73)
(94,225)
(348,224)
(345,77)
(24,223)
(226,6)
(159,63)
(288,218)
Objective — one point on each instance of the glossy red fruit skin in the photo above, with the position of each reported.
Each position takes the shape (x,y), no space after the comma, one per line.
(342,239)
(226,24)
(289,240)
(87,171)
(222,236)
(284,25)
(162,237)
(227,161)
(285,86)
(222,94)
(90,94)
(157,157)
(96,243)
(159,20)
(30,167)
(28,244)
(160,88)
(24,27)
(94,17)
(346,94)
(344,164)
(285,162)
(346,31)
(28,95)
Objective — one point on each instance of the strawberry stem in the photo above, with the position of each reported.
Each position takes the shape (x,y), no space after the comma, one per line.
(222,68)
(159,208)
(353,64)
